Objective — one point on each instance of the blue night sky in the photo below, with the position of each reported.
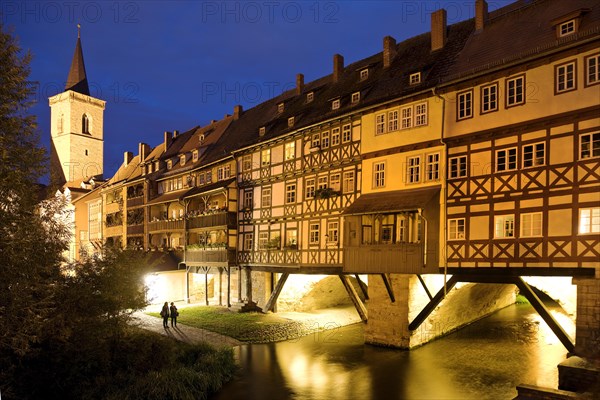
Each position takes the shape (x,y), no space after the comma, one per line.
(172,65)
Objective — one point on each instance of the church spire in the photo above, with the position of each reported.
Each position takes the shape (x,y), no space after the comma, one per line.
(77,79)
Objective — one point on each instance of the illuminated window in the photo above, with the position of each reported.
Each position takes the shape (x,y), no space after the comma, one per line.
(334,182)
(531,224)
(263,240)
(290,193)
(346,133)
(265,157)
(348,182)
(565,77)
(195,155)
(489,98)
(456,229)
(310,96)
(261,131)
(266,197)
(316,140)
(248,241)
(182,159)
(504,226)
(458,167)
(310,188)
(515,91)
(313,233)
(332,232)
(335,136)
(325,140)
(506,160)
(290,151)
(247,163)
(534,155)
(589,220)
(465,105)
(290,122)
(280,107)
(590,145)
(169,164)
(323,182)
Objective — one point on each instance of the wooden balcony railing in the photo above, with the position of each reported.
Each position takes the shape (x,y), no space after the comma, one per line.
(209,220)
(116,230)
(135,201)
(135,229)
(402,258)
(210,256)
(165,225)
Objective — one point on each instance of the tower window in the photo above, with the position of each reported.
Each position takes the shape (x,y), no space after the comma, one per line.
(59,127)
(86,152)
(85,124)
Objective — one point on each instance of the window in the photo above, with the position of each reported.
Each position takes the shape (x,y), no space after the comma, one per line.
(325,140)
(201,179)
(310,96)
(401,229)
(515,91)
(322,182)
(59,124)
(565,77)
(379,124)
(316,140)
(248,239)
(334,182)
(313,233)
(355,97)
(458,167)
(223,172)
(590,145)
(421,114)
(248,199)
(531,224)
(415,78)
(413,169)
(261,131)
(589,220)
(290,122)
(182,159)
(195,156)
(506,160)
(332,232)
(265,158)
(85,124)
(392,121)
(379,174)
(290,151)
(156,165)
(489,98)
(534,155)
(290,193)
(335,104)
(335,136)
(169,164)
(504,226)
(310,188)
(219,174)
(566,28)
(364,74)
(247,163)
(456,229)
(346,133)
(348,182)
(291,238)
(592,70)
(86,152)
(266,197)
(386,234)
(406,115)
(263,240)
(432,167)
(465,105)
(280,107)
(208,176)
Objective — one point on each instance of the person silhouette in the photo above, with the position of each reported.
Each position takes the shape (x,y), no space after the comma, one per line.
(164,313)
(174,314)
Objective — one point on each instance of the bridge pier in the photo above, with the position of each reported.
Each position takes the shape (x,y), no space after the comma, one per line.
(587,336)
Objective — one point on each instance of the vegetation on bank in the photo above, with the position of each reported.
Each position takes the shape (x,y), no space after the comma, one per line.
(250,327)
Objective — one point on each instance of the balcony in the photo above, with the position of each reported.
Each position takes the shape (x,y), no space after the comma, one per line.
(165,225)
(210,257)
(135,229)
(210,220)
(135,201)
(397,258)
(116,230)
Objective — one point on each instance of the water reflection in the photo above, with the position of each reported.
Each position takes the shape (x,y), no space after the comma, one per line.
(486,360)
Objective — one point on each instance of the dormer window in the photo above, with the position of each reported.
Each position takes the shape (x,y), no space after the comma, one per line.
(415,78)
(566,28)
(364,74)
(201,138)
(156,165)
(290,122)
(195,155)
(169,164)
(280,107)
(261,131)
(355,97)
(335,104)
(310,97)
(182,159)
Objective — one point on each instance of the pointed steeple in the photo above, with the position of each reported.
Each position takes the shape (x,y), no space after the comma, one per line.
(77,79)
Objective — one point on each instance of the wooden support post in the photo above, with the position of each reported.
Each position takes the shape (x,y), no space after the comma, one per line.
(424,286)
(360,307)
(206,285)
(363,287)
(249,284)
(220,286)
(275,294)
(432,304)
(239,269)
(388,287)
(228,270)
(537,304)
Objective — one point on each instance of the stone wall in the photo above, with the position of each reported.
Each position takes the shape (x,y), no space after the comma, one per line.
(587,340)
(388,322)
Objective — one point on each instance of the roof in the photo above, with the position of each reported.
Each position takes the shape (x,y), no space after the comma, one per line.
(77,79)
(163,198)
(397,200)
(209,188)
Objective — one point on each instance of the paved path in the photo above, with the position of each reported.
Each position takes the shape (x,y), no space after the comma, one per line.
(183,332)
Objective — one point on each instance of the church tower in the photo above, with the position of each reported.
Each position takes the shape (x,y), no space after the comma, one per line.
(77,128)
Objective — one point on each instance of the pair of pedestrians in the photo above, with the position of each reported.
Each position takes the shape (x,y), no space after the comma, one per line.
(167,312)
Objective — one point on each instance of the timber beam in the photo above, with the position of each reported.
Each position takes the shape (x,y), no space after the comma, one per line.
(424,287)
(276,292)
(388,287)
(360,307)
(419,319)
(363,287)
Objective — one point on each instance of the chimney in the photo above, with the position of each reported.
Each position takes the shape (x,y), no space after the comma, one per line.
(299,84)
(389,51)
(237,111)
(175,134)
(338,67)
(481,14)
(438,29)
(168,139)
(143,151)
(127,156)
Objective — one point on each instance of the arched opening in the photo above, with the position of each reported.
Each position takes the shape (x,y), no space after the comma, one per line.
(59,124)
(85,124)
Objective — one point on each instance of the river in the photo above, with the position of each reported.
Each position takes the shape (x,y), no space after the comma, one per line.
(485,360)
